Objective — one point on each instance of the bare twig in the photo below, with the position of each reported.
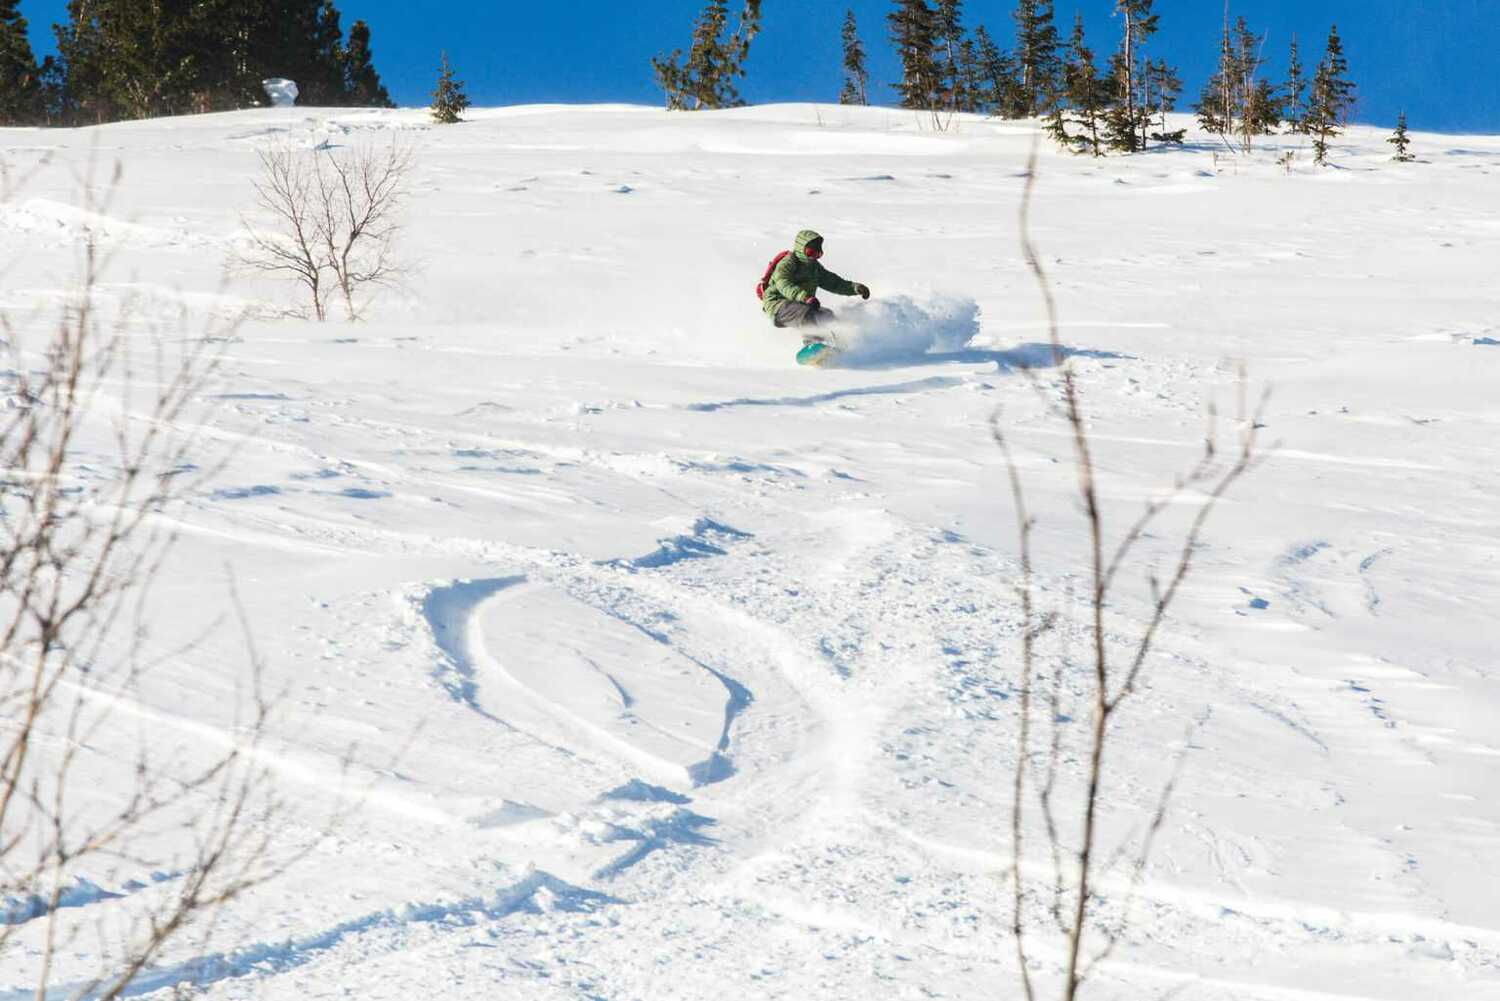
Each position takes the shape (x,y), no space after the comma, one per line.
(79,548)
(1110,684)
(332,220)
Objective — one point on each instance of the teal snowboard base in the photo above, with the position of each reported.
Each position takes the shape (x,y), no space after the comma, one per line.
(817,354)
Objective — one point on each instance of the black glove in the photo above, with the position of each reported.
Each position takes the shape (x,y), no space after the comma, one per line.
(863,291)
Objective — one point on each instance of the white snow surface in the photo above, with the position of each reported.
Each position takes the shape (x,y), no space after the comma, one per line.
(674,671)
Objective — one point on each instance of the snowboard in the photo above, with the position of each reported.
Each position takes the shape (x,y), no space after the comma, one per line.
(818,354)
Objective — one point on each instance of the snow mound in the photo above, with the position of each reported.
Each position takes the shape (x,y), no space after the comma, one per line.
(901,328)
(283,93)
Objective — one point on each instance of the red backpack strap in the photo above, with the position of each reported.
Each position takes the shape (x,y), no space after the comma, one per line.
(765,279)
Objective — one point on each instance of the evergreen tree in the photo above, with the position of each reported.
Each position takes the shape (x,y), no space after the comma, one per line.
(1265,111)
(914,30)
(1401,141)
(20,84)
(1129,119)
(714,61)
(80,51)
(1330,98)
(1253,100)
(1089,97)
(995,75)
(1215,101)
(856,76)
(1339,88)
(323,82)
(1037,61)
(52,77)
(1163,87)
(362,86)
(948,18)
(1293,89)
(154,56)
(970,88)
(134,58)
(1236,100)
(448,99)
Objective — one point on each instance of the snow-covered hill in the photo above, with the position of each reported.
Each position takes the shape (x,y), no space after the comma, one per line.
(674,671)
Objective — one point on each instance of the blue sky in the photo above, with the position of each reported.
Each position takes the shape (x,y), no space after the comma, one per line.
(517,51)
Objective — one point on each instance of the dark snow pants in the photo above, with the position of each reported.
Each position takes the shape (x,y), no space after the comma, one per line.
(801,314)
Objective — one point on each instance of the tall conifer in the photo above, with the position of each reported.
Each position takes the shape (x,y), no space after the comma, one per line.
(362,85)
(856,76)
(1037,62)
(1330,98)
(995,71)
(705,78)
(448,99)
(1293,91)
(1088,97)
(20,86)
(1130,117)
(1401,140)
(948,20)
(914,30)
(969,91)
(1163,88)
(1215,101)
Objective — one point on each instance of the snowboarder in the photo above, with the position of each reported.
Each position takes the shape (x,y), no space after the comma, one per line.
(790,295)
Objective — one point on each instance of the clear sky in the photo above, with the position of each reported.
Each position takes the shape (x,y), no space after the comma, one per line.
(1433,58)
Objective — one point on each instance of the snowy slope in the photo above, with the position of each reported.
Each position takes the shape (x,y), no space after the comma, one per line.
(676,671)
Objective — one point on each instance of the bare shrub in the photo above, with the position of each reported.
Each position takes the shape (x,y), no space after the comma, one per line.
(332,220)
(79,548)
(1070,908)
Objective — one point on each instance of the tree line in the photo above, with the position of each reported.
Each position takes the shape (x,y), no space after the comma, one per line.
(122,59)
(1091,106)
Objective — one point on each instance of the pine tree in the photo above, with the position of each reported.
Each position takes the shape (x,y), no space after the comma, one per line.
(153,57)
(995,74)
(135,58)
(1088,95)
(20,83)
(1130,117)
(1247,93)
(362,86)
(856,76)
(1330,98)
(1293,89)
(1264,112)
(706,78)
(448,99)
(1236,100)
(948,20)
(1163,87)
(1215,101)
(79,46)
(970,87)
(1401,141)
(1340,89)
(1037,61)
(324,84)
(914,30)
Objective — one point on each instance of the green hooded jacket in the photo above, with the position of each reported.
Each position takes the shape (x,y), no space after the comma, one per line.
(798,277)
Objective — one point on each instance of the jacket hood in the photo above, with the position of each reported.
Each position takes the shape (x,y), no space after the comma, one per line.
(804,238)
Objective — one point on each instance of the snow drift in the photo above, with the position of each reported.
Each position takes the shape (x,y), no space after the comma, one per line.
(902,328)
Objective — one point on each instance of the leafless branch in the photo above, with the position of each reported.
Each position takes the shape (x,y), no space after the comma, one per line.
(80,545)
(1110,684)
(332,220)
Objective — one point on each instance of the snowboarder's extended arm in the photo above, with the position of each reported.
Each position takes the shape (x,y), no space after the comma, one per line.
(831,282)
